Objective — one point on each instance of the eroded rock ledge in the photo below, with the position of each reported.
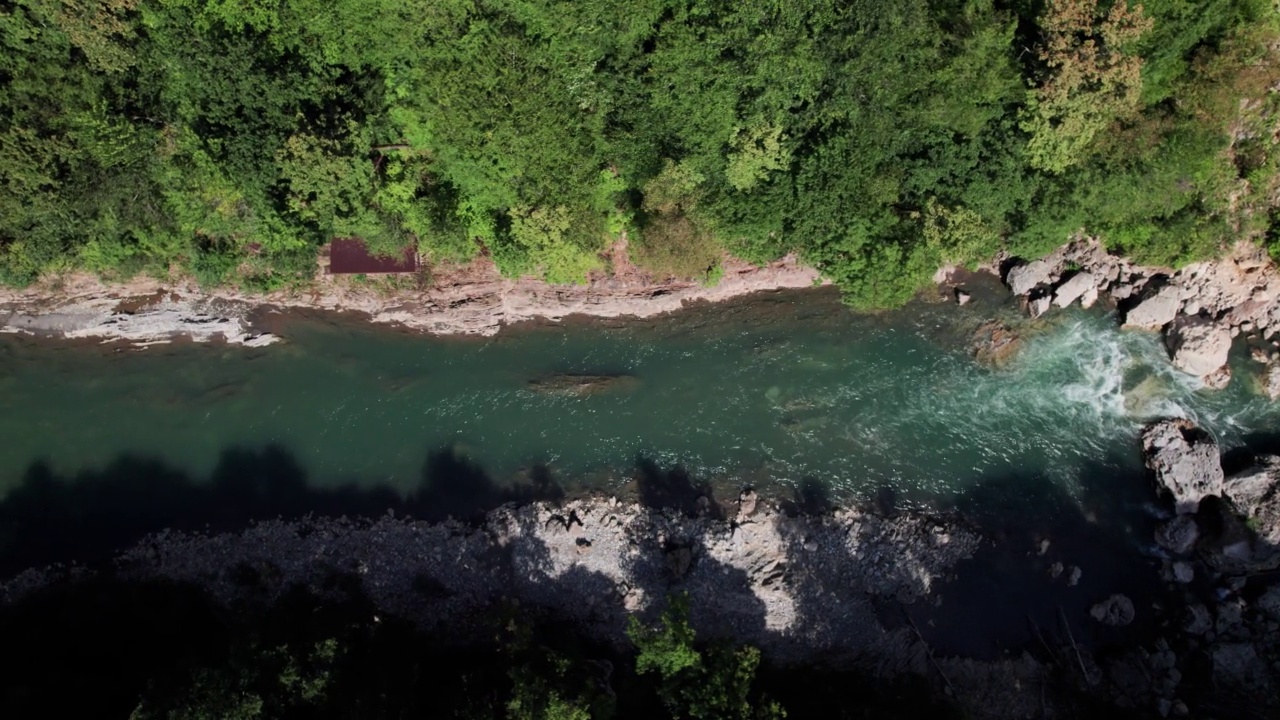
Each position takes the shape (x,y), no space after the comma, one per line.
(457,299)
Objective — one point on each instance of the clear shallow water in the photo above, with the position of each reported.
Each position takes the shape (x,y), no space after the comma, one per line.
(789,388)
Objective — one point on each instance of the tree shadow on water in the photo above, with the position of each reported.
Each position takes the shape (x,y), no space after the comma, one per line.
(89,515)
(674,489)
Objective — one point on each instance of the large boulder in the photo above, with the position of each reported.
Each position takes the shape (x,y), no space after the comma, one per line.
(1156,311)
(1025,278)
(1200,347)
(1075,288)
(1185,460)
(1255,495)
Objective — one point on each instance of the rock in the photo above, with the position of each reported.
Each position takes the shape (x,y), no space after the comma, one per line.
(1075,288)
(1156,311)
(1270,380)
(1039,306)
(1269,602)
(1218,379)
(962,297)
(1183,572)
(571,384)
(1043,547)
(1178,535)
(1122,291)
(1259,355)
(1089,298)
(1025,278)
(1200,347)
(1191,307)
(1073,577)
(1185,460)
(1055,570)
(1198,621)
(1116,611)
(1238,667)
(994,343)
(748,501)
(1255,494)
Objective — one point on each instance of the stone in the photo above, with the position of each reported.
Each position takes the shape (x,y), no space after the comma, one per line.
(1055,570)
(1183,572)
(994,343)
(1237,666)
(1178,535)
(1089,298)
(1198,621)
(1022,279)
(1156,311)
(748,501)
(1039,306)
(1191,308)
(1255,495)
(1200,347)
(1073,289)
(1259,355)
(962,297)
(1270,380)
(1116,611)
(1185,460)
(1073,577)
(1269,602)
(1122,291)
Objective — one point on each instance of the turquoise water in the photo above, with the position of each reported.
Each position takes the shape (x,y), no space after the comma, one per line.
(782,389)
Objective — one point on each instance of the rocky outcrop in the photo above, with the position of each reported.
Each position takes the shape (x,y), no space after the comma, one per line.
(160,319)
(471,298)
(1255,495)
(1200,307)
(1185,460)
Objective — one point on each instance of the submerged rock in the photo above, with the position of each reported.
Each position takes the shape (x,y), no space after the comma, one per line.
(1185,460)
(995,343)
(582,385)
(1270,380)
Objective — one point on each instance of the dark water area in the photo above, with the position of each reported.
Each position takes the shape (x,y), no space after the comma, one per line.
(788,392)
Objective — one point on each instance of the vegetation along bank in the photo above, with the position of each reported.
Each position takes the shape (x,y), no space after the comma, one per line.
(227,142)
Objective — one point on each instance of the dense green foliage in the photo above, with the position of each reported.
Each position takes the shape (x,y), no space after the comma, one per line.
(231,139)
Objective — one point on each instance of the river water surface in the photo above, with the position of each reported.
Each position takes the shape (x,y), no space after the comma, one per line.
(788,389)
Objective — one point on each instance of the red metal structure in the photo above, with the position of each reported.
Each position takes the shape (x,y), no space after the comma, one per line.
(349,256)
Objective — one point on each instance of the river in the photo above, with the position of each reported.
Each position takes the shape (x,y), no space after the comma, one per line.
(783,390)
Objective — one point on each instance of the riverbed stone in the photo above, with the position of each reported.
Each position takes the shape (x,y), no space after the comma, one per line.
(1074,288)
(1185,460)
(1156,311)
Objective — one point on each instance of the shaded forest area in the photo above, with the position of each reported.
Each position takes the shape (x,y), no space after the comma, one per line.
(229,140)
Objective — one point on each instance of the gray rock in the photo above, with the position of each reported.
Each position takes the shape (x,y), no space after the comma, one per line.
(1198,621)
(1039,306)
(747,503)
(1025,278)
(1156,311)
(1271,380)
(962,297)
(1269,602)
(1116,611)
(1200,347)
(1237,666)
(1185,460)
(1183,572)
(1073,577)
(1178,535)
(1074,289)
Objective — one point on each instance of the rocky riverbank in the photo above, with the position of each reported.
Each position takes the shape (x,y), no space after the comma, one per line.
(471,298)
(1199,309)
(848,589)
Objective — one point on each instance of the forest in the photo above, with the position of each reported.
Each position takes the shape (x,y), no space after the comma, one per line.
(228,140)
